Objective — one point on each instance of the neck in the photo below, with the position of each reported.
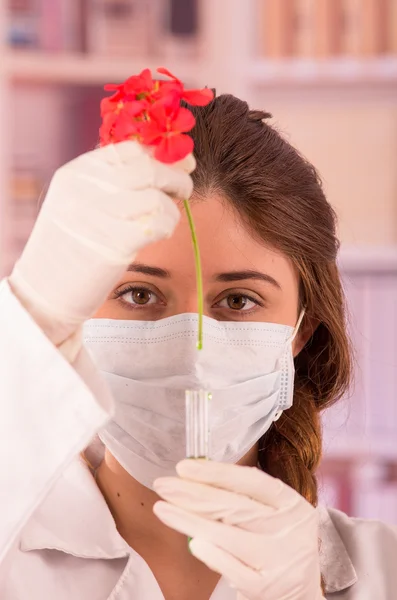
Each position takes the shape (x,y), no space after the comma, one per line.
(131,505)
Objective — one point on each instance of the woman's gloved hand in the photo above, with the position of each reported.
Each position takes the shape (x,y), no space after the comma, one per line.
(101,208)
(257,532)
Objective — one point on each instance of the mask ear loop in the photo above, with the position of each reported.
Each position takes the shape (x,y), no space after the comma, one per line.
(277,415)
(290,340)
(297,326)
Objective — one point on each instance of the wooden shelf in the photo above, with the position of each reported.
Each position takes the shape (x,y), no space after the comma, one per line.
(81,69)
(335,72)
(90,70)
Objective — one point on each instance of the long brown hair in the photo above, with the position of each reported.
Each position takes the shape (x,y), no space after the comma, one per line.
(279,195)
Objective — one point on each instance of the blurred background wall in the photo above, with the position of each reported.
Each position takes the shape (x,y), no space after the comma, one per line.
(326,69)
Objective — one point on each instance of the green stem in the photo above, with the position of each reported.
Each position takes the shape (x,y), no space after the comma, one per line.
(199,277)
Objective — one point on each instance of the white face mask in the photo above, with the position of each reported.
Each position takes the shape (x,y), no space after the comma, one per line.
(248,367)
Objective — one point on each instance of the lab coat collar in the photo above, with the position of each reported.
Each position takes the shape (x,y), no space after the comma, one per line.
(74,518)
(336,565)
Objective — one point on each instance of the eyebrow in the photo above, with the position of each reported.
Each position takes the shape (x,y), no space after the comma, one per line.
(223,277)
(249,274)
(146,270)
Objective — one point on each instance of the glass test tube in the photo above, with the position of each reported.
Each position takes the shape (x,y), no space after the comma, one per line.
(197,423)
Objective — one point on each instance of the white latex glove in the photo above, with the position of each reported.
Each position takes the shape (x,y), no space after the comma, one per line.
(257,532)
(101,208)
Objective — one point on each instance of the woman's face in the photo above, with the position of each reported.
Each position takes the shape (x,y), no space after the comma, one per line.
(244,280)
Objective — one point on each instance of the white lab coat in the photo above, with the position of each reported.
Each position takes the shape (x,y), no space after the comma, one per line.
(57,536)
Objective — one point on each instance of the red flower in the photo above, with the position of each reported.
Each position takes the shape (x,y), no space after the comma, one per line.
(126,128)
(118,105)
(149,111)
(193,97)
(134,86)
(110,104)
(121,123)
(140,87)
(106,130)
(165,129)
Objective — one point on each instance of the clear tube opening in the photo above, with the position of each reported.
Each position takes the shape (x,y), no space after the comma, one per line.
(197,423)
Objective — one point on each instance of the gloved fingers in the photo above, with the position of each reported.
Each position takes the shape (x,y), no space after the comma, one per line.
(77,197)
(122,152)
(272,581)
(234,509)
(216,504)
(248,581)
(139,218)
(248,481)
(120,253)
(126,166)
(243,545)
(147,203)
(187,164)
(113,154)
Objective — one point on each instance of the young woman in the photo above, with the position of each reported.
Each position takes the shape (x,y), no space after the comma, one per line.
(83,519)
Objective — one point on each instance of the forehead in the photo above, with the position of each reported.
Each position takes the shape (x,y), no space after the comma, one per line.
(226,244)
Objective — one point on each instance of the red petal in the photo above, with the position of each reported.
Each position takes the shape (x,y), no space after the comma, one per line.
(157,113)
(107,105)
(124,127)
(184,121)
(166,72)
(110,102)
(172,104)
(104,136)
(134,108)
(170,87)
(147,79)
(151,133)
(133,86)
(109,119)
(165,109)
(173,148)
(106,130)
(198,97)
(138,84)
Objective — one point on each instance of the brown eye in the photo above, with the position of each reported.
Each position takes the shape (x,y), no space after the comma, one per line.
(141,296)
(138,296)
(237,301)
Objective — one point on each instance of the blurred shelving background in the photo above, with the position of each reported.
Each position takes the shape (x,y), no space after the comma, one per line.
(326,70)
